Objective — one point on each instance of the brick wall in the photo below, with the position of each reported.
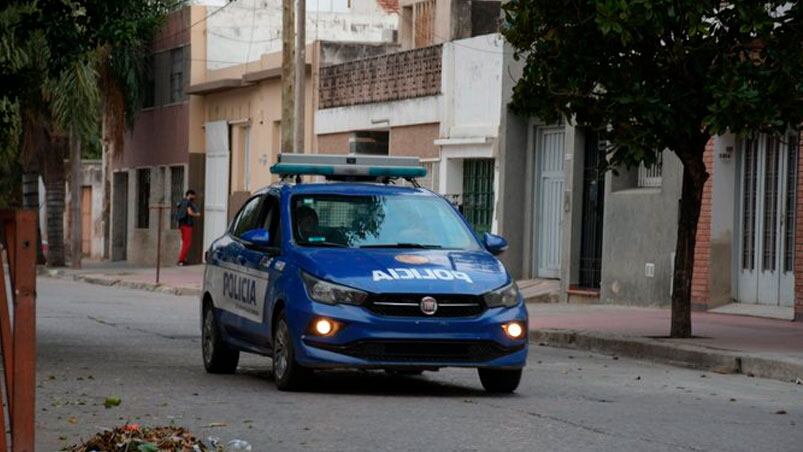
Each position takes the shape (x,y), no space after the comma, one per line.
(799,240)
(700,297)
(417,140)
(394,76)
(334,143)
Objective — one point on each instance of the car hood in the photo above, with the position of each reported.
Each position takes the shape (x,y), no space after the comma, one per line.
(406,271)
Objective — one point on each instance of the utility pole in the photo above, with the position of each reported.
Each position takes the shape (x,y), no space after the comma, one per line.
(288,74)
(300,74)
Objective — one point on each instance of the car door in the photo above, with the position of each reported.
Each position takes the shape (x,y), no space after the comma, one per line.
(256,262)
(241,281)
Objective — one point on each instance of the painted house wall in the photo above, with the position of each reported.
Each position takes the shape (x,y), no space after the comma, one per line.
(248,28)
(161,137)
(640,227)
(91,176)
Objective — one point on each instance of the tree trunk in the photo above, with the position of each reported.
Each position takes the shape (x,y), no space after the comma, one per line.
(54,202)
(75,202)
(106,172)
(30,200)
(694,177)
(112,130)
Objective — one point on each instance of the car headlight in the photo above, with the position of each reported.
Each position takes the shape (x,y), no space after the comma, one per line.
(331,293)
(504,296)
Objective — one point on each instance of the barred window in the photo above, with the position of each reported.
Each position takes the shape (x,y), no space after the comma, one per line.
(176,191)
(143,197)
(177,74)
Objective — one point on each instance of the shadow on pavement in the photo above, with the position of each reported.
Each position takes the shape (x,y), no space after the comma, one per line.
(373,382)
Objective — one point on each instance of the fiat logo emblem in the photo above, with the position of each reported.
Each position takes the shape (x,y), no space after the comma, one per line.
(428,305)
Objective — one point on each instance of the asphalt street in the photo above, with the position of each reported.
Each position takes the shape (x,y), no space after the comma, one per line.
(143,347)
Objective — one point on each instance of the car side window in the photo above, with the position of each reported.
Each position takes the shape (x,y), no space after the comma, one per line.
(271,223)
(249,217)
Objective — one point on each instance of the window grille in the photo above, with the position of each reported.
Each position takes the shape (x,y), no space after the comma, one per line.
(143,197)
(176,191)
(177,74)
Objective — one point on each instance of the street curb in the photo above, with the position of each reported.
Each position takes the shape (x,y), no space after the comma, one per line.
(691,356)
(113,282)
(543,298)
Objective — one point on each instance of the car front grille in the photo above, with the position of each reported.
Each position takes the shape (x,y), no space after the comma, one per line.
(413,351)
(408,305)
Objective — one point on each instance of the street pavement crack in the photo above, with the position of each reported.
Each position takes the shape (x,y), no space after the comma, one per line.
(596,430)
(141,330)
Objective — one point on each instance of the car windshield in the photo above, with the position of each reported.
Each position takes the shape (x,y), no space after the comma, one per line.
(395,221)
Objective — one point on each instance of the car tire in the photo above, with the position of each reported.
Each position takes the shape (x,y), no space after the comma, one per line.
(287,373)
(219,357)
(500,381)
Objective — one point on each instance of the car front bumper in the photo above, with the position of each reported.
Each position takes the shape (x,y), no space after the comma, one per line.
(368,340)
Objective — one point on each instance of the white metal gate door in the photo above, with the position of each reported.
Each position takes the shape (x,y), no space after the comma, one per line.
(549,212)
(768,181)
(216,189)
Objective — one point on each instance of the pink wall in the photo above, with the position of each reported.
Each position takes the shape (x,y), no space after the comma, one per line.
(160,137)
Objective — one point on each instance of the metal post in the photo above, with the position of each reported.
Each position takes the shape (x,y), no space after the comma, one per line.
(160,210)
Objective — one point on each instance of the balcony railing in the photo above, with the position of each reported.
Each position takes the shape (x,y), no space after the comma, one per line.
(394,76)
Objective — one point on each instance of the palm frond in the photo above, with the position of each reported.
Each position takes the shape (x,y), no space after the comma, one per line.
(76,98)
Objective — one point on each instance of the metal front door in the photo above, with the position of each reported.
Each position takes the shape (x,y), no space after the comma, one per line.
(766,221)
(119,224)
(593,205)
(216,188)
(478,193)
(549,212)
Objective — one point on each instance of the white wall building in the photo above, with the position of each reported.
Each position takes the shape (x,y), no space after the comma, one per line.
(242,31)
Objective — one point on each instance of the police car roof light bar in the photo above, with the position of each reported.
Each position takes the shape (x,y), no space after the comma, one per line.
(348,166)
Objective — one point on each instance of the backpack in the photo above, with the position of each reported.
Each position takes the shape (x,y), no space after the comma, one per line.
(181,211)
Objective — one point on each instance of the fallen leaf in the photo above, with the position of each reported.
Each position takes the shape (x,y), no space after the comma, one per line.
(72,420)
(112,402)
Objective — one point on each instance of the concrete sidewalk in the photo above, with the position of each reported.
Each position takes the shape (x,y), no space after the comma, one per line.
(723,343)
(174,280)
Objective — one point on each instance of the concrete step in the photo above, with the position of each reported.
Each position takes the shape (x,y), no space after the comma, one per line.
(540,290)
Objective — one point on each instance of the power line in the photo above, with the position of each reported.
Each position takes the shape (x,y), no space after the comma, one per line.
(251,39)
(185,29)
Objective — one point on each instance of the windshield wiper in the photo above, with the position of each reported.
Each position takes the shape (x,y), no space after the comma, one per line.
(403,245)
(326,244)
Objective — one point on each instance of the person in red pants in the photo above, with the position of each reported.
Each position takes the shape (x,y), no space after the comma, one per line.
(186,213)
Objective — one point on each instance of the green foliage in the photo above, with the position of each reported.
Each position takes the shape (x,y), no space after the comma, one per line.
(655,74)
(75,98)
(124,30)
(20,62)
(50,55)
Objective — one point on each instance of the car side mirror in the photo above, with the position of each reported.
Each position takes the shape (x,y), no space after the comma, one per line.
(258,237)
(495,244)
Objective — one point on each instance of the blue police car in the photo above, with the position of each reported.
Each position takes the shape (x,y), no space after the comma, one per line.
(358,272)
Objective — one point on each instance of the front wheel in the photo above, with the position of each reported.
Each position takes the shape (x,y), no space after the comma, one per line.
(219,358)
(287,373)
(500,381)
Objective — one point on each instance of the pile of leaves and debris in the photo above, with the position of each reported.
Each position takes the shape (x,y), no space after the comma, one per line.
(136,438)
